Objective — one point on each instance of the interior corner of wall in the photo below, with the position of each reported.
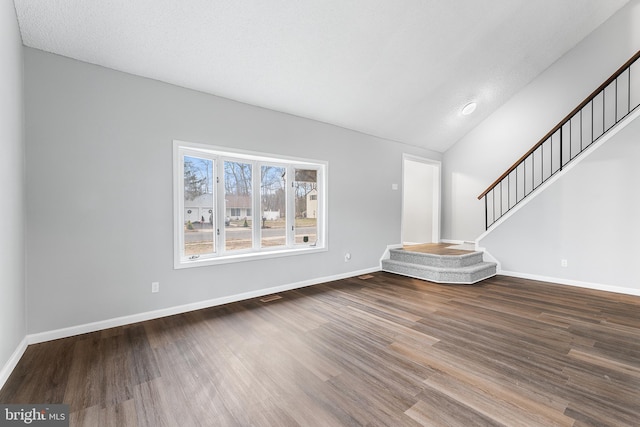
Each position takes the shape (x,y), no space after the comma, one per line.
(487,256)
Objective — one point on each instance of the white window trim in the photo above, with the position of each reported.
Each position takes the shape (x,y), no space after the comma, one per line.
(219,154)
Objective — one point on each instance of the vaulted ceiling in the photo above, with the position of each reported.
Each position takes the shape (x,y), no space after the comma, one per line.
(400,70)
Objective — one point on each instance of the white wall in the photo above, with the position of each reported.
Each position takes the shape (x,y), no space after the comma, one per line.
(417,209)
(12,258)
(589,217)
(487,151)
(99,142)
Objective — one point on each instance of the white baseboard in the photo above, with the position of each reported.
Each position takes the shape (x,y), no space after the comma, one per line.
(156,314)
(456,242)
(8,367)
(576,283)
(452,241)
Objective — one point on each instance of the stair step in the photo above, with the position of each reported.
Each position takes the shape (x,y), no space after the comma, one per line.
(433,260)
(468,274)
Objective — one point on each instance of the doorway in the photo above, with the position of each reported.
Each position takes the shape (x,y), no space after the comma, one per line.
(420,200)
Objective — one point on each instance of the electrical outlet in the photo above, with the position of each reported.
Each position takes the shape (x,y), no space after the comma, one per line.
(155,287)
(347,257)
(564,263)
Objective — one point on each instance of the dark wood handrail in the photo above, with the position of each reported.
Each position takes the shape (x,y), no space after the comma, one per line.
(562,123)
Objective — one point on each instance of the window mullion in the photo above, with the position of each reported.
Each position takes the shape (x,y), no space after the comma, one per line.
(256,215)
(290,195)
(220,206)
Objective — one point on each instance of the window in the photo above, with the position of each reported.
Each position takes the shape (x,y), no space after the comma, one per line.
(197,205)
(306,186)
(273,206)
(238,181)
(230,206)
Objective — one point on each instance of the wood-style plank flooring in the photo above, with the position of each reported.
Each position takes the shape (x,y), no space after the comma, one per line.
(435,249)
(386,351)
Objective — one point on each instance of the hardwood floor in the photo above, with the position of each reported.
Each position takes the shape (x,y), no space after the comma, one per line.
(388,350)
(435,249)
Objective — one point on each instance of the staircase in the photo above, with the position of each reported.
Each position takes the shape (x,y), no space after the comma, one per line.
(465,268)
(592,120)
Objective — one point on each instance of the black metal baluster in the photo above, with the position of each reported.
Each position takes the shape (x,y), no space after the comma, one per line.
(509,191)
(493,200)
(591,122)
(615,107)
(501,213)
(552,145)
(561,143)
(516,171)
(629,91)
(486,213)
(533,167)
(604,108)
(570,139)
(541,165)
(582,109)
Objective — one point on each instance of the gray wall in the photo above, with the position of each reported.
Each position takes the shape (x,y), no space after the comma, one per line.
(488,150)
(588,217)
(99,148)
(12,258)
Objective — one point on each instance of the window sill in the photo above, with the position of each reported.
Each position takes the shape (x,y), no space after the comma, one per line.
(247,256)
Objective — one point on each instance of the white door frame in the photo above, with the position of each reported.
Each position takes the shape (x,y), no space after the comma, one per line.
(436,192)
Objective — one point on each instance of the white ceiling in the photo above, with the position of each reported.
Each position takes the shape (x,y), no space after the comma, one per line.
(398,69)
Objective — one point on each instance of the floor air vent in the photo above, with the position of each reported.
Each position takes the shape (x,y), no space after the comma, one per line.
(270,298)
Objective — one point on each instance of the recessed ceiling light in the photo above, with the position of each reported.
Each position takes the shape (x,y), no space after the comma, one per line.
(469,108)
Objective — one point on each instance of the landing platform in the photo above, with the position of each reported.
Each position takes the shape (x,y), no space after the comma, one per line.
(440,263)
(437,249)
